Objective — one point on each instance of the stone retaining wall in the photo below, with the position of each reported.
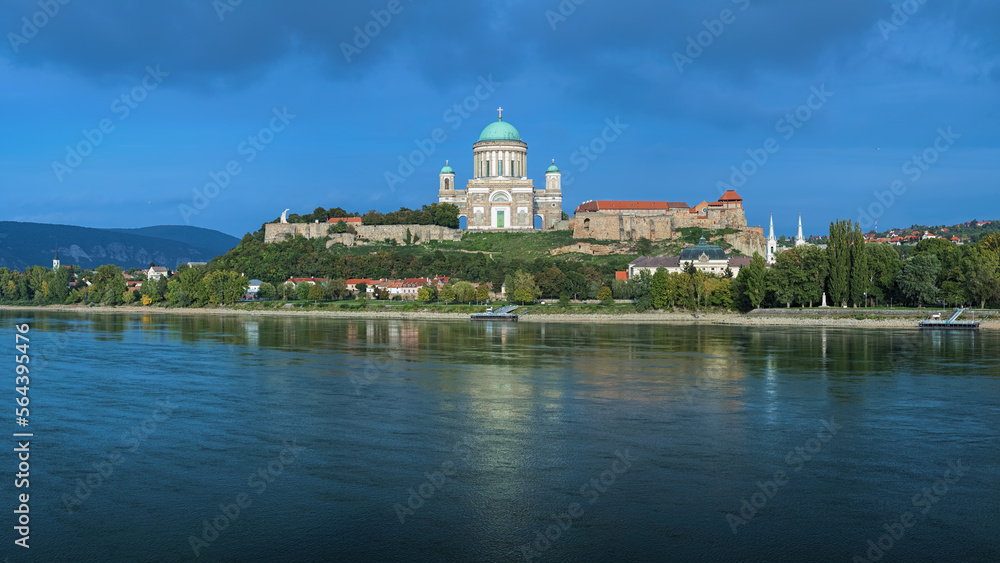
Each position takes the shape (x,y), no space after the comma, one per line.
(277,232)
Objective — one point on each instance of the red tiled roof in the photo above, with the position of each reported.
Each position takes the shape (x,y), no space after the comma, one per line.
(314,280)
(346,220)
(730,195)
(621,275)
(615,204)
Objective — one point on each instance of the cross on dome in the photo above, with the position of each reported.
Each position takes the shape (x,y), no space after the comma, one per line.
(500,111)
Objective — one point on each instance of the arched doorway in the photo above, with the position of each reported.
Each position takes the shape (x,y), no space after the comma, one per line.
(463,222)
(539,222)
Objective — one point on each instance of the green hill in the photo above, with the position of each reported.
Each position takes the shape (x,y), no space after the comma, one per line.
(29,244)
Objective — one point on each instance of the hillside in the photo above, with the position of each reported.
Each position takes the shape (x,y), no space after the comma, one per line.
(28,244)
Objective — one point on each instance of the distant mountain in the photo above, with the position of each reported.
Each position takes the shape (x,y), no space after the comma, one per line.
(28,244)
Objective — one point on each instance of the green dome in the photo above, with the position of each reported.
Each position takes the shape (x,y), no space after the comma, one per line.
(499,131)
(447,170)
(552,168)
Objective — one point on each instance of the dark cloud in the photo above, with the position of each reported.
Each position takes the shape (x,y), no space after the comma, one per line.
(605,51)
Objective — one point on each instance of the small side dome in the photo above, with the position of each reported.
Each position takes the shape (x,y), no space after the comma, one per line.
(447,169)
(553,168)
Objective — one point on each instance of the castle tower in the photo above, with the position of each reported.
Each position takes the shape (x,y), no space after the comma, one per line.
(446,189)
(548,202)
(799,239)
(55,261)
(772,243)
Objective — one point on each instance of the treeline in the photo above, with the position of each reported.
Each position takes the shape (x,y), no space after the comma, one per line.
(190,287)
(300,257)
(851,272)
(442,214)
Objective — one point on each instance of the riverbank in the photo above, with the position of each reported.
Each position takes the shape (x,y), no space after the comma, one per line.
(776,317)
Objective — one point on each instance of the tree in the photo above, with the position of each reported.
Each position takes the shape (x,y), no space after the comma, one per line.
(447,293)
(302,291)
(605,296)
(424,294)
(661,289)
(223,287)
(980,267)
(362,290)
(150,290)
(336,289)
(523,288)
(465,292)
(266,290)
(551,281)
(860,271)
(815,268)
(576,284)
(752,281)
(316,292)
(839,254)
(483,292)
(916,280)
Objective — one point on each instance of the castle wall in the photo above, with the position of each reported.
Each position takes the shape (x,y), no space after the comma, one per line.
(277,232)
(602,226)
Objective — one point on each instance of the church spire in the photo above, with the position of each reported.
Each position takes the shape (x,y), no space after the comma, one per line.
(55,261)
(772,243)
(799,238)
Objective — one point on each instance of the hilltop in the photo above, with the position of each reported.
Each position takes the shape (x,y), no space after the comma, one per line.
(23,245)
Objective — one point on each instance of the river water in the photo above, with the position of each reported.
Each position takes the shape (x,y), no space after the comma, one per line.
(216,438)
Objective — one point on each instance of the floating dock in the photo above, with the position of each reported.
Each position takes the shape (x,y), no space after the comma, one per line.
(952,322)
(501,314)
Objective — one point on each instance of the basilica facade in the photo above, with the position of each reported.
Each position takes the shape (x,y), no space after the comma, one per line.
(500,196)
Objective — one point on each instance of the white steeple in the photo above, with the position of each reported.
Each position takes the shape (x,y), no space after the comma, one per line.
(772,243)
(799,239)
(55,261)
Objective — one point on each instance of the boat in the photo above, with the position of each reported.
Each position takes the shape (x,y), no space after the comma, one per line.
(501,314)
(952,322)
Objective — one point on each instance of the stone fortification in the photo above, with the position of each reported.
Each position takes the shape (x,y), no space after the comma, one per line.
(277,232)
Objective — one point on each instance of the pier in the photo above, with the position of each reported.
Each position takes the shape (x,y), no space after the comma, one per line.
(501,314)
(952,322)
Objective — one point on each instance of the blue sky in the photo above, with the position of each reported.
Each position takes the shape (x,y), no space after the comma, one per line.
(823,104)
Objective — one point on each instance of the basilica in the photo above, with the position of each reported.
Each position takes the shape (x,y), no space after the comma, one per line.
(500,196)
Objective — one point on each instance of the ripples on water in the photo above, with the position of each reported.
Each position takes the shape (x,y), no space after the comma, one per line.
(508,430)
